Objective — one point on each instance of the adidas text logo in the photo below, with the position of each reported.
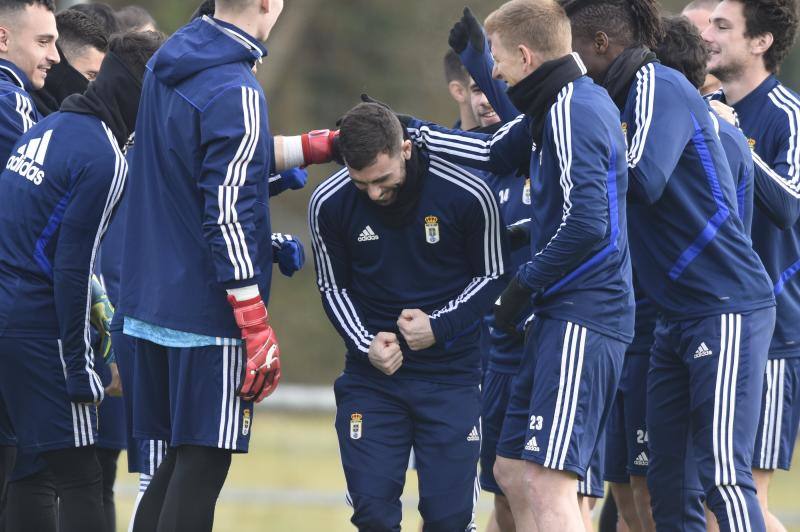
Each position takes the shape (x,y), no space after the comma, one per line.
(532,445)
(702,351)
(641,460)
(29,159)
(474,436)
(367,234)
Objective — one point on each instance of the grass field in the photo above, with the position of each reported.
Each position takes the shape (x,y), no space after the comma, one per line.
(292,481)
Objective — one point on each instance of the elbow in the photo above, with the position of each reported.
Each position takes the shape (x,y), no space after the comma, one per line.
(641,195)
(592,231)
(642,190)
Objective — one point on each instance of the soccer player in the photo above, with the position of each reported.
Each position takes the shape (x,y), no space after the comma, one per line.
(579,277)
(468,39)
(31,490)
(201,234)
(680,48)
(748,42)
(82,44)
(57,198)
(27,52)
(409,252)
(694,261)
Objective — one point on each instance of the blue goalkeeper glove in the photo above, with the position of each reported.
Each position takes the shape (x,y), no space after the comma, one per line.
(100,317)
(288,252)
(293,179)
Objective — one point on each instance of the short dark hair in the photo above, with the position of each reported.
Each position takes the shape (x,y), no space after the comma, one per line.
(454,69)
(626,22)
(19,5)
(367,130)
(77,31)
(778,17)
(103,13)
(135,48)
(206,8)
(683,49)
(134,18)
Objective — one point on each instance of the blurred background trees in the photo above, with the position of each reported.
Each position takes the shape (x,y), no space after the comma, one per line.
(323,54)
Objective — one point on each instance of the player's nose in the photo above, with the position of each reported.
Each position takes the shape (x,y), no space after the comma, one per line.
(374,193)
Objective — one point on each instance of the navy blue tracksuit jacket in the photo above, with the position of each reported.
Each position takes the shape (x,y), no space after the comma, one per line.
(199,181)
(691,254)
(579,245)
(448,262)
(56,200)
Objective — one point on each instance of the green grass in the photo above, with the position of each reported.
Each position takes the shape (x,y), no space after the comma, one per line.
(297,456)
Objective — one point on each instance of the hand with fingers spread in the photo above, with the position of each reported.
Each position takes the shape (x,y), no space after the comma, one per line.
(415,326)
(385,354)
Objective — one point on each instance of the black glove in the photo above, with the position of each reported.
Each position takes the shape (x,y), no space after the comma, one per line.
(466,30)
(404,119)
(519,235)
(514,299)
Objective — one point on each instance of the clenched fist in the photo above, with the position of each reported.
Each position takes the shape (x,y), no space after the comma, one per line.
(384,353)
(415,326)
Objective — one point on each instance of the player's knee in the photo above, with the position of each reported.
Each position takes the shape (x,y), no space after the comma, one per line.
(506,474)
(546,486)
(376,514)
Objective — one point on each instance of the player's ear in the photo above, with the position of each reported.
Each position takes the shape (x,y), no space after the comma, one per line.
(4,36)
(600,43)
(405,150)
(457,91)
(529,59)
(761,43)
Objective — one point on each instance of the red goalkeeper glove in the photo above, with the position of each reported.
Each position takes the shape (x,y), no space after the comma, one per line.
(319,146)
(263,369)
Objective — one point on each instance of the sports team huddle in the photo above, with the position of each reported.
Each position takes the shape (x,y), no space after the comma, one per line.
(590,280)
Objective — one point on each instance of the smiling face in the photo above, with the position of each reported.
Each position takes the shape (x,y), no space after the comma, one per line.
(512,64)
(28,39)
(382,179)
(481,107)
(731,52)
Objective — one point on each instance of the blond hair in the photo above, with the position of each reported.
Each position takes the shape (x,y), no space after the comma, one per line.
(541,25)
